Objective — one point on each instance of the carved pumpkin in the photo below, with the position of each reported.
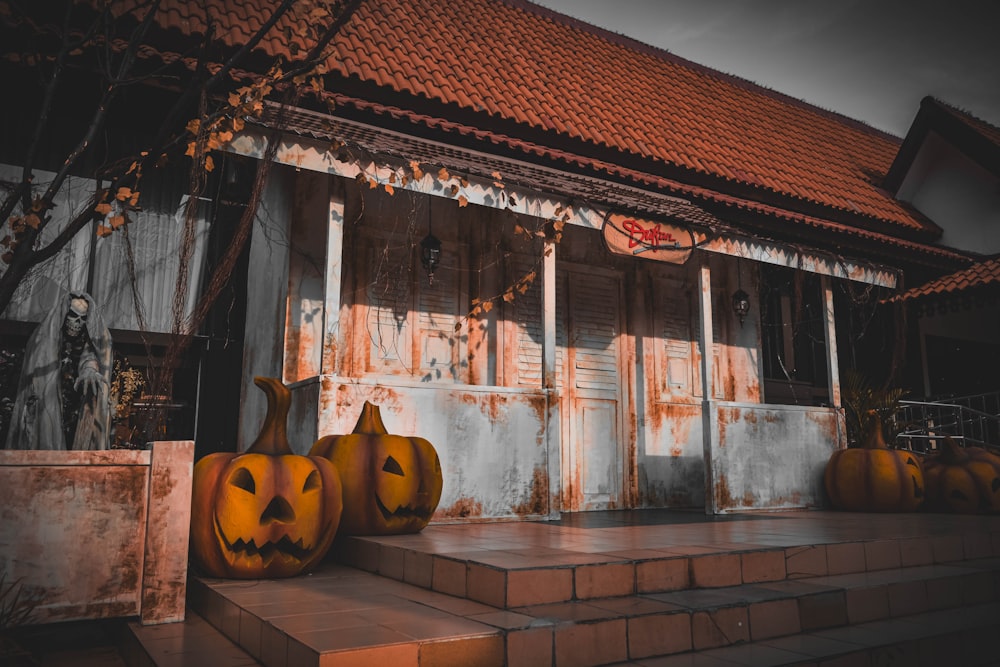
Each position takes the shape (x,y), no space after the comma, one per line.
(874,478)
(267,512)
(392,484)
(962,479)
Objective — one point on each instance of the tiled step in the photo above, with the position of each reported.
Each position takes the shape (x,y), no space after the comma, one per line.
(607,630)
(519,577)
(341,615)
(959,637)
(191,643)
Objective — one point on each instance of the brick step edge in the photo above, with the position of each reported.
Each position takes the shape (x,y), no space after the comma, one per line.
(963,638)
(510,587)
(194,641)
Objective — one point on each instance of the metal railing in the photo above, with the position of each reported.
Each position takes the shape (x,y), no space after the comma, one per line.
(924,424)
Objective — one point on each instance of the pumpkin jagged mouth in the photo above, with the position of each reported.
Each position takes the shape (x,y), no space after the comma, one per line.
(401,512)
(267,550)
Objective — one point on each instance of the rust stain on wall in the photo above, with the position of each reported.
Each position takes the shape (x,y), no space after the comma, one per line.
(537,503)
(493,406)
(462,508)
(328,362)
(678,418)
(353,397)
(293,347)
(723,499)
(827,425)
(537,404)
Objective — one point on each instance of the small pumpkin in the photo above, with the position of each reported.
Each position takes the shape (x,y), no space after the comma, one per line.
(266,512)
(392,483)
(874,478)
(962,479)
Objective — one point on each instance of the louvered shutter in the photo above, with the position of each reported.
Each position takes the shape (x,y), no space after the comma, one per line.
(388,326)
(595,333)
(437,313)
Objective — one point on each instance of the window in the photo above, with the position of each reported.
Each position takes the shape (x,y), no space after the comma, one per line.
(409,321)
(793,337)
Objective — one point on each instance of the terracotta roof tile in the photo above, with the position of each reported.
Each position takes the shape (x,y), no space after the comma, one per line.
(531,67)
(982,275)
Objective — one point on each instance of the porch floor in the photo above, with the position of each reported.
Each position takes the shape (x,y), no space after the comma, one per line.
(643,587)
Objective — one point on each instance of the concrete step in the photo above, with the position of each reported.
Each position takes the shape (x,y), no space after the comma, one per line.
(958,638)
(191,643)
(341,615)
(961,638)
(518,577)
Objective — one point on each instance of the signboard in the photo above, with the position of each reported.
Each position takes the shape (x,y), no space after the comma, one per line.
(634,237)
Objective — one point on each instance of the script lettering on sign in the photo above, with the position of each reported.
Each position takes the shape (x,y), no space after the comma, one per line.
(627,235)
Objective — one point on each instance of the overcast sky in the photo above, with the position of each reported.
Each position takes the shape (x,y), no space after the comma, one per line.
(872,60)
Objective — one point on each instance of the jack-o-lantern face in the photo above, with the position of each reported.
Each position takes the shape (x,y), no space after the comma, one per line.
(265,513)
(392,484)
(963,479)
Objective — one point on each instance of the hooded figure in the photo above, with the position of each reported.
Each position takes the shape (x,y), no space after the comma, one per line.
(63,396)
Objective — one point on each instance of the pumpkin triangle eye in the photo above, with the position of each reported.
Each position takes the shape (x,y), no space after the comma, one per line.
(392,466)
(312,481)
(244,480)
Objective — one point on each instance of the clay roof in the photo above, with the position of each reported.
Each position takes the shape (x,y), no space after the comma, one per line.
(982,275)
(547,82)
(514,62)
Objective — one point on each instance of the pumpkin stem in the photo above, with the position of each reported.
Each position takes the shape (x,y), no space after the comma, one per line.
(370,421)
(273,437)
(874,438)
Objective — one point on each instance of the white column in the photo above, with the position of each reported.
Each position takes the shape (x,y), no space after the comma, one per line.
(332,335)
(553,415)
(832,362)
(549,316)
(709,417)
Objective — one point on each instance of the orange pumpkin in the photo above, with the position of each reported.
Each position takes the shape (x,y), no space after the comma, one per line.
(874,478)
(392,483)
(962,479)
(267,512)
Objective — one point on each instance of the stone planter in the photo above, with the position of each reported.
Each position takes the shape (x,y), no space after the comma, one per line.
(98,534)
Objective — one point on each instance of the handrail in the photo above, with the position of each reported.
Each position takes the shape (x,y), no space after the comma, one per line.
(924,423)
(962,408)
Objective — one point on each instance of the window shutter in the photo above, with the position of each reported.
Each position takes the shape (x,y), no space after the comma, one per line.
(437,313)
(595,333)
(388,326)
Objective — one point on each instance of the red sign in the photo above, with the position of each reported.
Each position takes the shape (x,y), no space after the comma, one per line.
(625,235)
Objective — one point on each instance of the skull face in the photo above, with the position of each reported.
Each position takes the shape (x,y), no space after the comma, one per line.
(76,318)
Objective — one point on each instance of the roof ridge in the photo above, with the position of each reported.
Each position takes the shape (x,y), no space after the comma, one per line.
(660,52)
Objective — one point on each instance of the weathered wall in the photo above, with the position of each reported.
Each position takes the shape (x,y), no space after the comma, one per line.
(97,534)
(473,385)
(772,457)
(491,440)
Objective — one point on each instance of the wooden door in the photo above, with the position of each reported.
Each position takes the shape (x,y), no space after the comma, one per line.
(589,338)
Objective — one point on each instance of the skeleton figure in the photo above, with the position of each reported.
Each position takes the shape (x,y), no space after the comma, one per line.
(63,397)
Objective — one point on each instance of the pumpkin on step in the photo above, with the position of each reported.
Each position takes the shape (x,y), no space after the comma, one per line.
(965,480)
(874,478)
(392,483)
(266,512)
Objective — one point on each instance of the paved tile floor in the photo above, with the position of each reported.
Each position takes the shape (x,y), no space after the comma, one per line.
(420,591)
(471,581)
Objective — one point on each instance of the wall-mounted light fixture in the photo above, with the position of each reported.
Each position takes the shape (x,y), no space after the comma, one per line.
(430,250)
(741,300)
(741,304)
